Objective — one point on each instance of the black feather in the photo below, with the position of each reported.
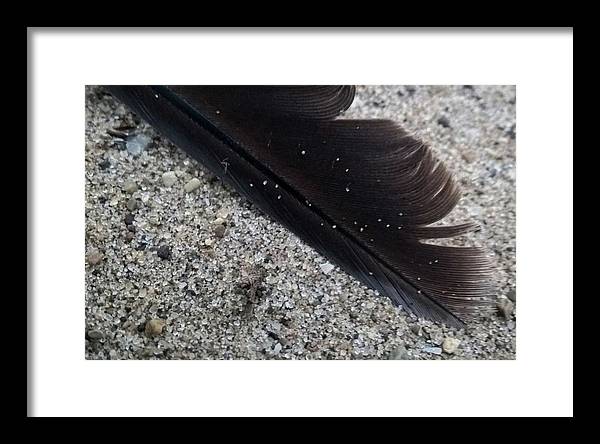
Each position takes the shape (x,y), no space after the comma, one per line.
(361,192)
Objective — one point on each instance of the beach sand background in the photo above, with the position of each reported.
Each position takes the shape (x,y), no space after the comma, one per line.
(172,274)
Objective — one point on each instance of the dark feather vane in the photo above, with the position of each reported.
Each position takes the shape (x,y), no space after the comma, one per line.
(363,193)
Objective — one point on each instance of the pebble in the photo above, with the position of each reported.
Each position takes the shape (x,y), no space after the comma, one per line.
(469,156)
(505,307)
(148,352)
(164,252)
(223,213)
(154,327)
(130,187)
(220,230)
(128,325)
(95,335)
(443,121)
(104,164)
(94,257)
(137,144)
(192,185)
(433,350)
(450,345)
(399,353)
(129,218)
(209,251)
(121,145)
(169,178)
(326,267)
(219,221)
(512,295)
(417,329)
(277,348)
(131,204)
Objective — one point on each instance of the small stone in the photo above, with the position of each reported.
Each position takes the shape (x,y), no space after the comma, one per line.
(433,350)
(129,236)
(169,178)
(417,329)
(117,133)
(219,221)
(95,335)
(469,156)
(137,144)
(219,231)
(511,132)
(399,353)
(128,325)
(443,121)
(505,307)
(512,295)
(326,267)
(208,242)
(277,348)
(511,325)
(130,187)
(148,352)
(94,257)
(131,204)
(192,185)
(223,213)
(129,218)
(436,337)
(164,252)
(154,327)
(104,164)
(450,345)
(208,251)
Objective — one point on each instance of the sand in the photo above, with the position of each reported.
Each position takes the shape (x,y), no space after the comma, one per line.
(202,274)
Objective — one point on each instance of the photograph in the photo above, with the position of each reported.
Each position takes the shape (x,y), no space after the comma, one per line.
(300,222)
